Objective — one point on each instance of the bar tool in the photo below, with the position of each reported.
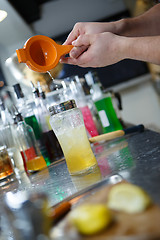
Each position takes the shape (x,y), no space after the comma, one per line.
(41,53)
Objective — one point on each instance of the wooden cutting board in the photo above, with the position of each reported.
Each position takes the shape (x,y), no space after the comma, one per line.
(142,226)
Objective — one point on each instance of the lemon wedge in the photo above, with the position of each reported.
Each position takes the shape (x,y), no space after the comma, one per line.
(90,219)
(128,198)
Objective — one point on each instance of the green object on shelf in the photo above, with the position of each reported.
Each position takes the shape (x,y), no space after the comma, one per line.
(107,115)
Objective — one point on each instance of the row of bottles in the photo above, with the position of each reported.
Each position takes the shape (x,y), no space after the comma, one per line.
(37,116)
(36,140)
(21,144)
(28,126)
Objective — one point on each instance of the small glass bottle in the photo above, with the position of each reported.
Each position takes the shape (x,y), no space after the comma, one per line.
(8,138)
(48,137)
(27,111)
(5,115)
(6,167)
(38,111)
(51,142)
(29,117)
(33,160)
(68,125)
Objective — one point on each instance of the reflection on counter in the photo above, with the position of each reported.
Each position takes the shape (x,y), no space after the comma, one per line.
(121,156)
(115,156)
(88,179)
(44,175)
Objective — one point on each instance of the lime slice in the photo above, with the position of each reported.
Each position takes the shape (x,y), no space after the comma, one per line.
(90,218)
(128,198)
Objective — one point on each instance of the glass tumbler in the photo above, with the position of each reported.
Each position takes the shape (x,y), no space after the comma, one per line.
(8,139)
(68,125)
(6,168)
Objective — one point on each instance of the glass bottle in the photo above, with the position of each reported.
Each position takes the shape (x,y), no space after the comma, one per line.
(32,157)
(77,93)
(5,115)
(8,138)
(48,137)
(68,125)
(103,104)
(27,111)
(28,114)
(6,167)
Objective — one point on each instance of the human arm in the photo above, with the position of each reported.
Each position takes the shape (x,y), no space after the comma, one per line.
(146,24)
(107,48)
(139,27)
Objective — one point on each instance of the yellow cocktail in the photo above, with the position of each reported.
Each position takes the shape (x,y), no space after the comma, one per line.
(67,123)
(77,151)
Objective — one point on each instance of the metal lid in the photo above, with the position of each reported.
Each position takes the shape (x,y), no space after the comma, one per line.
(19,117)
(62,107)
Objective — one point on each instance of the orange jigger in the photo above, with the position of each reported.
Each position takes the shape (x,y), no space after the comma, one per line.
(41,53)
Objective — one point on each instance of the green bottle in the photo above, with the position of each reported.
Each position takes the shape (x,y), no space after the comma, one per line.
(103,103)
(107,114)
(32,121)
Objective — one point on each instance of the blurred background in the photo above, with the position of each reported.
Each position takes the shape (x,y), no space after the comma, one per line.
(136,81)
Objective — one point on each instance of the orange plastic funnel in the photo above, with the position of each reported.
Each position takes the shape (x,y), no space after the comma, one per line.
(41,53)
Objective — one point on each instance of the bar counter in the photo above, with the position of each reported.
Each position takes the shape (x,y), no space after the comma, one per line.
(135,157)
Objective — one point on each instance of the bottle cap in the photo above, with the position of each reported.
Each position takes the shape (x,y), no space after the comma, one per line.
(41,93)
(2,105)
(64,106)
(18,91)
(19,117)
(34,90)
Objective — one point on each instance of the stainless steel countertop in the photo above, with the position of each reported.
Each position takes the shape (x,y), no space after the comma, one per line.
(135,157)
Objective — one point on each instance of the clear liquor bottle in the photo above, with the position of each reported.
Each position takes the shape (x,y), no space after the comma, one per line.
(32,157)
(49,139)
(28,114)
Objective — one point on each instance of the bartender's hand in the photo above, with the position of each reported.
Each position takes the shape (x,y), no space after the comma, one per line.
(82,28)
(107,48)
(100,50)
(88,28)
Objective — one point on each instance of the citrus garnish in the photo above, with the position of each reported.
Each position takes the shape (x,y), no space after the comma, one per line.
(90,218)
(128,198)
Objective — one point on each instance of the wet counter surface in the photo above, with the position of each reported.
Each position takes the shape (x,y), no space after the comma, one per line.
(136,158)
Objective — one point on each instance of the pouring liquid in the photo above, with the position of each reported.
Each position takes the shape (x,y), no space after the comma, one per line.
(53,80)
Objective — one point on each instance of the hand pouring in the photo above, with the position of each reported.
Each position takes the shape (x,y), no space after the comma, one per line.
(41,53)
